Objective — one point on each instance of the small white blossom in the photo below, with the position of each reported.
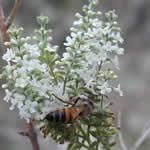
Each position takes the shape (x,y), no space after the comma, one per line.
(116,62)
(120,51)
(24,113)
(12,107)
(118,89)
(65,56)
(8,95)
(36,86)
(79,22)
(105,88)
(69,41)
(52,49)
(19,97)
(4,86)
(31,106)
(13,41)
(22,81)
(32,49)
(9,55)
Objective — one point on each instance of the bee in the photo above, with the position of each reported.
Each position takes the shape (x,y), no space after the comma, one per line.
(82,106)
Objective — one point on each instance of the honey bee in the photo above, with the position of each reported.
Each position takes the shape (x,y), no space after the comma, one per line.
(82,106)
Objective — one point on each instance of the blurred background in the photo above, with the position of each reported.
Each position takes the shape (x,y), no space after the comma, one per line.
(134,19)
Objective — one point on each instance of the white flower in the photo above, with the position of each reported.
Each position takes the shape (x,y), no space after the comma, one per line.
(116,37)
(65,56)
(18,97)
(106,30)
(24,113)
(78,22)
(28,109)
(21,71)
(22,81)
(102,56)
(17,100)
(118,89)
(13,41)
(13,103)
(109,47)
(120,51)
(52,49)
(32,49)
(9,55)
(37,84)
(105,88)
(9,67)
(116,62)
(12,107)
(96,23)
(8,95)
(69,41)
(4,86)
(32,106)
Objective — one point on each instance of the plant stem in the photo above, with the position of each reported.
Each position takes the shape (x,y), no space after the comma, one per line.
(88,135)
(13,13)
(53,74)
(3,28)
(102,103)
(31,134)
(65,82)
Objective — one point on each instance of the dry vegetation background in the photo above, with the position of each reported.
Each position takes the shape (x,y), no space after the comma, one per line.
(134,18)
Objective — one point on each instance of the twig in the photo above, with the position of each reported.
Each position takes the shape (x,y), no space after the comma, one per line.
(13,13)
(121,141)
(141,139)
(65,82)
(4,25)
(31,134)
(3,28)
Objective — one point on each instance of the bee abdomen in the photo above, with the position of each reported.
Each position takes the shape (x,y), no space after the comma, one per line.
(56,116)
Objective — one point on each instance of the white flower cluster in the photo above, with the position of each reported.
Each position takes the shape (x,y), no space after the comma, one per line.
(29,83)
(93,45)
(35,72)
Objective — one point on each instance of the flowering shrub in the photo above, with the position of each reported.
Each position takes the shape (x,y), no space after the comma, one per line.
(36,76)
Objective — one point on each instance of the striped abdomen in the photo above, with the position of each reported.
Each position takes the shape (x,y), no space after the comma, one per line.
(65,115)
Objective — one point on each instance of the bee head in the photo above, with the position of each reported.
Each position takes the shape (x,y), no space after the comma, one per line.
(86,101)
(82,100)
(87,105)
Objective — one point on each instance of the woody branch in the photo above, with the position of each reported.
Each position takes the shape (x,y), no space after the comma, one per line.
(4,26)
(31,134)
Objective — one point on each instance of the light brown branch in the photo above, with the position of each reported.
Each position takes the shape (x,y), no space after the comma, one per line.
(3,28)
(13,13)
(31,134)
